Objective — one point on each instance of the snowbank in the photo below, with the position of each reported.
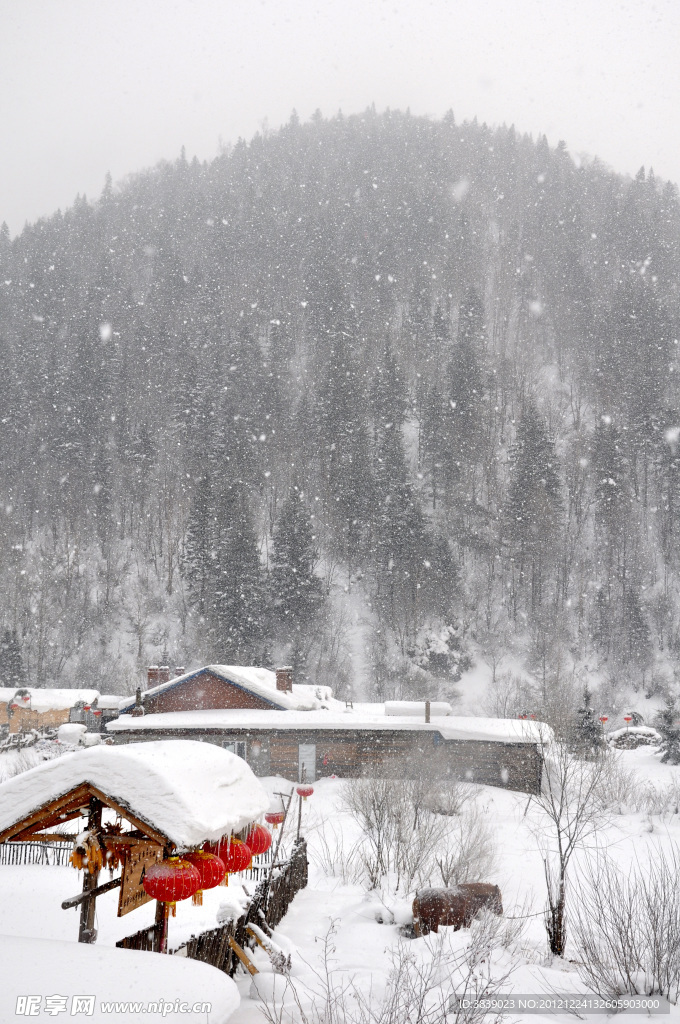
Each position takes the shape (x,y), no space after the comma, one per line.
(188,791)
(60,971)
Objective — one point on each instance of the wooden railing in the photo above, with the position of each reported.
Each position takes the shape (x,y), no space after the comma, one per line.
(50,854)
(270,903)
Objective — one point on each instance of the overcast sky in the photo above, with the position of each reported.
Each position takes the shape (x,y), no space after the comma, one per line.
(95,85)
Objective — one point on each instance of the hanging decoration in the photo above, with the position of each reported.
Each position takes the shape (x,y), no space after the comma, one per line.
(87,853)
(210,867)
(238,858)
(275,818)
(171,880)
(259,839)
(304,791)
(114,849)
(235,855)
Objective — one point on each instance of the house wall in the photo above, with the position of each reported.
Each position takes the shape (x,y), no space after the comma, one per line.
(202,691)
(354,753)
(24,719)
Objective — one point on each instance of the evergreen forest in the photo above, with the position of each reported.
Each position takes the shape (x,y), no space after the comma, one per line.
(377,396)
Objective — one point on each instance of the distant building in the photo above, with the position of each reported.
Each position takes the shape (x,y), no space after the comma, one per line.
(296,731)
(27,708)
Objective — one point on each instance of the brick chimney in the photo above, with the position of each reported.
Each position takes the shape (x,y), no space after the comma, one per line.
(153,676)
(179,670)
(284,679)
(164,674)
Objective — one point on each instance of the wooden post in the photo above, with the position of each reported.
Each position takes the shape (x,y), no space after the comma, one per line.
(161,927)
(427,711)
(87,931)
(299,816)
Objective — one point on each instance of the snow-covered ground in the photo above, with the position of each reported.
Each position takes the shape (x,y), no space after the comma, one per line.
(363,928)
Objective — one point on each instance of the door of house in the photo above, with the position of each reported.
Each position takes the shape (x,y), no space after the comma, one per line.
(307,762)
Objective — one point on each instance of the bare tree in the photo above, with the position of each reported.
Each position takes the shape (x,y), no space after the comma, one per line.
(567,813)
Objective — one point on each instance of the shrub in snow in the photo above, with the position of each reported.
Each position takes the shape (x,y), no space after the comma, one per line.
(668,725)
(635,736)
(403,844)
(627,927)
(421,987)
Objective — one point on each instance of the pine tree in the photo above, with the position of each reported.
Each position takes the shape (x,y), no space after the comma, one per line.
(296,590)
(588,737)
(667,724)
(534,507)
(236,604)
(12,671)
(226,579)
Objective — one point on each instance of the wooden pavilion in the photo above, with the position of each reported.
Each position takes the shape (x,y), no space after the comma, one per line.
(135,805)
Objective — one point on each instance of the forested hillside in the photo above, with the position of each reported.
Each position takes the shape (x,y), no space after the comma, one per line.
(373,395)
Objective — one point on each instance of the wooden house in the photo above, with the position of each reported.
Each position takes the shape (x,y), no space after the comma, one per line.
(294,731)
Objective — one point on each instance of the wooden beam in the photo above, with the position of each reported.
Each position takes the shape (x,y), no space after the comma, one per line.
(80,795)
(43,837)
(75,901)
(67,807)
(243,956)
(125,812)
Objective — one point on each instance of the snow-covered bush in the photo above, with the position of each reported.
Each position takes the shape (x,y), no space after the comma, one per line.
(635,736)
(423,984)
(627,927)
(404,844)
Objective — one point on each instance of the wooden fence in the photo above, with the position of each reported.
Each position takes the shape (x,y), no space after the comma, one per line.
(269,904)
(50,854)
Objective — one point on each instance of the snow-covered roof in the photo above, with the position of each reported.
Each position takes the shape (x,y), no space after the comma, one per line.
(108,701)
(415,708)
(188,791)
(361,717)
(43,967)
(43,699)
(258,681)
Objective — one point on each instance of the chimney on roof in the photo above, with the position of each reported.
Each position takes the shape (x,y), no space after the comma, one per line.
(153,676)
(179,670)
(138,708)
(164,674)
(284,679)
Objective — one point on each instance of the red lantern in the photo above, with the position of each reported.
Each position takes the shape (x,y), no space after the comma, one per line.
(604,718)
(234,854)
(86,707)
(171,880)
(96,711)
(304,791)
(259,839)
(275,818)
(211,869)
(628,718)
